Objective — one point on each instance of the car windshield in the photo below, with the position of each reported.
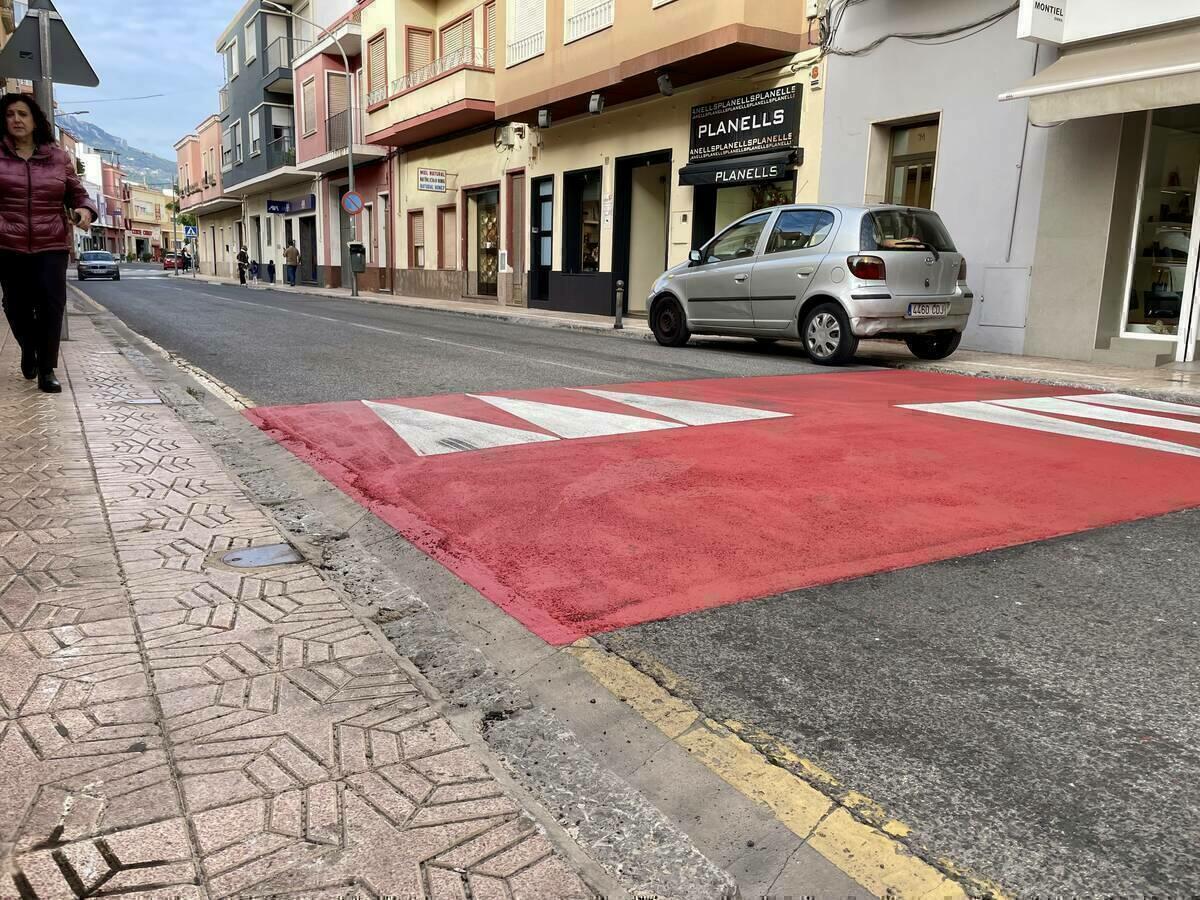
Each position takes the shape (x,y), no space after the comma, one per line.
(905,229)
(97,256)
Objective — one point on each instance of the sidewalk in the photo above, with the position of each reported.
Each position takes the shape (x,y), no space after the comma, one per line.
(1180,382)
(174,726)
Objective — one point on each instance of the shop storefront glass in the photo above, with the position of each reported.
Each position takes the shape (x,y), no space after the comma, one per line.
(581,221)
(735,202)
(1160,277)
(487,240)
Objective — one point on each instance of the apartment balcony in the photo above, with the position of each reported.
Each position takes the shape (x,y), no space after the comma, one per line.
(621,52)
(278,63)
(346,33)
(454,93)
(340,144)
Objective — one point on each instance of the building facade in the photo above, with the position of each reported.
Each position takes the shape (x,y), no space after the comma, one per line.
(146,219)
(202,194)
(1116,248)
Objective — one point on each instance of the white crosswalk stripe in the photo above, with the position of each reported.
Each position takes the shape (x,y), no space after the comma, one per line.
(432,434)
(572,422)
(1037,414)
(690,412)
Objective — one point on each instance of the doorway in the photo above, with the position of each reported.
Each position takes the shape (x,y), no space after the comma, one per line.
(642,232)
(516,234)
(541,242)
(256,239)
(308,249)
(484,240)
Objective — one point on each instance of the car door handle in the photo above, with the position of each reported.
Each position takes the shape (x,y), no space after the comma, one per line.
(741,279)
(804,273)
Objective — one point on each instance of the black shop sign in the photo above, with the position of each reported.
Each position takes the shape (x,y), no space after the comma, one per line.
(763,122)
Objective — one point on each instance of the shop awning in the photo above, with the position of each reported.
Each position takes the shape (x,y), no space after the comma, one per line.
(742,169)
(1124,75)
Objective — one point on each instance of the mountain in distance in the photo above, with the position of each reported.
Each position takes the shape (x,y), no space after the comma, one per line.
(138,165)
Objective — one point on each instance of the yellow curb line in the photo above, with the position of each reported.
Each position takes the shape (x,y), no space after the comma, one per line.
(870,854)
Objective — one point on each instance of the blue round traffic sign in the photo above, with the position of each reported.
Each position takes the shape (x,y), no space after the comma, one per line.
(353,203)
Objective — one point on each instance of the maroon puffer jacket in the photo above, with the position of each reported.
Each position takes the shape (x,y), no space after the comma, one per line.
(32,197)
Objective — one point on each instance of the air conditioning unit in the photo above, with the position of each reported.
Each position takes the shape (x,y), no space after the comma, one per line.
(506,136)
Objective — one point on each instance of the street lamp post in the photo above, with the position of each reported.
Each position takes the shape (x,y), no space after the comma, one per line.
(350,144)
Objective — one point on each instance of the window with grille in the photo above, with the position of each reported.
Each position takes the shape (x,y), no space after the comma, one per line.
(308,104)
(489,35)
(457,41)
(420,49)
(526,30)
(416,240)
(584,17)
(377,70)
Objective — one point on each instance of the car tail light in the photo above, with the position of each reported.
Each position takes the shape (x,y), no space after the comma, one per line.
(962,269)
(868,268)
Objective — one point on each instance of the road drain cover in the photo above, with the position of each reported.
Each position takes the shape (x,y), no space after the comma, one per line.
(257,557)
(146,401)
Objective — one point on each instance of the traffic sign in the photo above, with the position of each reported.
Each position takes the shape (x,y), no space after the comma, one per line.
(191,231)
(353,203)
(22,55)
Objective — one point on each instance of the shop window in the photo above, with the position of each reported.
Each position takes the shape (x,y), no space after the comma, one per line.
(416,240)
(738,242)
(581,221)
(1163,228)
(912,163)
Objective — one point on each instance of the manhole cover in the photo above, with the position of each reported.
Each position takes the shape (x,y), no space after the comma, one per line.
(257,557)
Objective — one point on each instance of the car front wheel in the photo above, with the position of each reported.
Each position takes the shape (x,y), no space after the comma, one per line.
(669,324)
(827,336)
(938,345)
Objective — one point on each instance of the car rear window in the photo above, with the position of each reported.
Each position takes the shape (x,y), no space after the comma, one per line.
(96,256)
(905,229)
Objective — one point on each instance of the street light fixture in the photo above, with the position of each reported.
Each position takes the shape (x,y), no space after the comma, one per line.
(353,120)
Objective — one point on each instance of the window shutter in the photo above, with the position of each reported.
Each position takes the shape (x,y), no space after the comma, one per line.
(420,50)
(309,99)
(418,227)
(457,37)
(582,6)
(530,19)
(489,13)
(377,65)
(339,94)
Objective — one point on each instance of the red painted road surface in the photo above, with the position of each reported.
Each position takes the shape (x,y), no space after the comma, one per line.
(576,535)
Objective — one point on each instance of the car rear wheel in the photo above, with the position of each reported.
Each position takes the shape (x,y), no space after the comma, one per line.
(938,345)
(669,324)
(827,336)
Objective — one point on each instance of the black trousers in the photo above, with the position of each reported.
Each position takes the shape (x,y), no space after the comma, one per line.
(35,297)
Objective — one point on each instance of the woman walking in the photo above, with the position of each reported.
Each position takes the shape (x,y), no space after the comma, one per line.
(38,185)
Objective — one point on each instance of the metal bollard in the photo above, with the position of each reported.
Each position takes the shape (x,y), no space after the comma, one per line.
(618,325)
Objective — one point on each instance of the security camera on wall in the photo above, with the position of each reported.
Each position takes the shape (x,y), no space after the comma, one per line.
(596,104)
(543,118)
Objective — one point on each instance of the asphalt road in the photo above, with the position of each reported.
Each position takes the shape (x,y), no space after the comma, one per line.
(1029,713)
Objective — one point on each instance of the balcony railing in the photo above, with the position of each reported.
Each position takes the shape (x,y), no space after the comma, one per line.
(378,95)
(283,50)
(526,48)
(337,131)
(589,21)
(281,152)
(464,56)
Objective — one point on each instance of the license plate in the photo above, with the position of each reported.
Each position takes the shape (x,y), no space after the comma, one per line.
(927,310)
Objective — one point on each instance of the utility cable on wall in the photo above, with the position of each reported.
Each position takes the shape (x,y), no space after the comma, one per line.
(932,38)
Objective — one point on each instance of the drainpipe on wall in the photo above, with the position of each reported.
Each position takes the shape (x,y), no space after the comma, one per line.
(392,261)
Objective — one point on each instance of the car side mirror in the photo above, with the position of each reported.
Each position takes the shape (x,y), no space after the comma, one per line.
(695,258)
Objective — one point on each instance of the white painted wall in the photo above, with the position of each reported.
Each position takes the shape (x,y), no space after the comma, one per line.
(980,139)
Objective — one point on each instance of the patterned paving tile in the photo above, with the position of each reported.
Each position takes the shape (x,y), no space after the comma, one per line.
(173,726)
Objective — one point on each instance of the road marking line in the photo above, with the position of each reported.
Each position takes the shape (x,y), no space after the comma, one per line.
(432,434)
(1129,402)
(690,412)
(404,334)
(1066,406)
(999,413)
(869,853)
(573,422)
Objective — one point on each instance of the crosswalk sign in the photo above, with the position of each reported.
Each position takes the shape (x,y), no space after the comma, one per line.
(191,231)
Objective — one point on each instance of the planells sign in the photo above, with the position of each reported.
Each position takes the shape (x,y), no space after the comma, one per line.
(763,122)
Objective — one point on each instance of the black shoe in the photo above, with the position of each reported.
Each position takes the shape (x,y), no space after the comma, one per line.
(48,384)
(29,366)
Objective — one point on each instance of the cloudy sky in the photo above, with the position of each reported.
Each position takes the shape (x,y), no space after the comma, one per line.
(141,47)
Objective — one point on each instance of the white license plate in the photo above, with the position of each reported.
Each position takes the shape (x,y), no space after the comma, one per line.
(927,310)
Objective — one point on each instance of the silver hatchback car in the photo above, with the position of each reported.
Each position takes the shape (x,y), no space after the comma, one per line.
(827,275)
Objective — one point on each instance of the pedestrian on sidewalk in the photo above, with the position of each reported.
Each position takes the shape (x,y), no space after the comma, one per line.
(270,271)
(38,185)
(291,262)
(243,261)
(255,269)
